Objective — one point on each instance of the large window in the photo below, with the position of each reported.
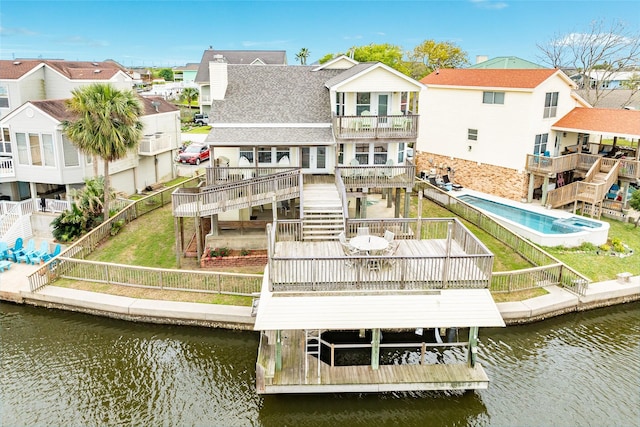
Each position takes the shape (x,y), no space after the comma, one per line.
(4,97)
(363,102)
(23,151)
(540,145)
(379,154)
(339,103)
(282,152)
(247,154)
(550,104)
(264,155)
(5,145)
(70,153)
(35,149)
(493,97)
(362,154)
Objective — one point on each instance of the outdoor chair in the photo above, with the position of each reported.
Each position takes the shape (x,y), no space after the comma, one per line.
(366,120)
(445,179)
(17,247)
(50,256)
(399,123)
(363,231)
(24,253)
(4,251)
(36,256)
(435,183)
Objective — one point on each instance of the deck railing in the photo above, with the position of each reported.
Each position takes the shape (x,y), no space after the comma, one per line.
(154,144)
(214,199)
(629,169)
(217,175)
(381,127)
(378,176)
(551,165)
(546,266)
(155,278)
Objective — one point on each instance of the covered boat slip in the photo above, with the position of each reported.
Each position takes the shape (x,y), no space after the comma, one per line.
(291,341)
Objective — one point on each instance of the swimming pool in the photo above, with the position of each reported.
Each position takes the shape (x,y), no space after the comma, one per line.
(551,228)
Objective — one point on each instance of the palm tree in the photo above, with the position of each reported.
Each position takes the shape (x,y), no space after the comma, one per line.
(189,94)
(106,125)
(303,55)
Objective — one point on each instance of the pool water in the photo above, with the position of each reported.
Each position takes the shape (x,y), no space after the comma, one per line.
(541,223)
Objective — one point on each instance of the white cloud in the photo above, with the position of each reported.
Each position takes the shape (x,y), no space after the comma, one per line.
(17,32)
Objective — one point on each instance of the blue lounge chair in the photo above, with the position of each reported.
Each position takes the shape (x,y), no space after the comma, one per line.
(17,247)
(4,265)
(36,256)
(52,255)
(22,254)
(4,251)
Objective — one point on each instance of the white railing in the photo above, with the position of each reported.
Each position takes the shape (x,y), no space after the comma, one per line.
(156,143)
(6,168)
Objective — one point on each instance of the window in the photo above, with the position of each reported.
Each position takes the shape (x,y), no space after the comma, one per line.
(472,134)
(70,153)
(4,97)
(540,145)
(34,149)
(379,154)
(339,103)
(341,154)
(264,155)
(401,153)
(47,150)
(362,153)
(23,153)
(5,146)
(247,154)
(363,102)
(550,104)
(493,97)
(282,152)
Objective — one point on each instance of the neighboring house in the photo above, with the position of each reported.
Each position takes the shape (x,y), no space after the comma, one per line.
(504,62)
(205,81)
(489,127)
(23,80)
(604,79)
(186,74)
(36,161)
(44,163)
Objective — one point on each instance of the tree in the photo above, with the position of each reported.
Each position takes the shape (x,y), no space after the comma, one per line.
(388,54)
(106,125)
(328,57)
(166,74)
(634,202)
(430,55)
(303,55)
(605,48)
(189,94)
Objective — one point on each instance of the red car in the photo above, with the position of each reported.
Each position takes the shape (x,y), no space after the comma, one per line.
(194,154)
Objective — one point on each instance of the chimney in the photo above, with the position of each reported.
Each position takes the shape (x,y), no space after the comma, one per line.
(218,77)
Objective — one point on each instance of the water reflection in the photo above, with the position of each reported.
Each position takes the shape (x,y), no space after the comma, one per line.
(63,368)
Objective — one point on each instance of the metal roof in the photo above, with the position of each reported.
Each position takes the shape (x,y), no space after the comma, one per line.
(402,310)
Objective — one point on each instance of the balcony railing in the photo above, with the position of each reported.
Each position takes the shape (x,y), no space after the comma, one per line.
(378,176)
(629,169)
(6,167)
(154,144)
(381,127)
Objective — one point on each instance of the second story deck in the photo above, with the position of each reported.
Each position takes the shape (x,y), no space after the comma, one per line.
(629,169)
(376,127)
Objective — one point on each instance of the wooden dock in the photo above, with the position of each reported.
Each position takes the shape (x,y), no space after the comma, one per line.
(295,377)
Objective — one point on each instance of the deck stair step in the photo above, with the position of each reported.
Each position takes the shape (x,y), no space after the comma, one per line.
(323,218)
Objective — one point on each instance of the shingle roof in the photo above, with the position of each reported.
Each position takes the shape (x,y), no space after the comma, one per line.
(274,94)
(57,108)
(616,98)
(601,120)
(500,78)
(73,70)
(350,72)
(268,57)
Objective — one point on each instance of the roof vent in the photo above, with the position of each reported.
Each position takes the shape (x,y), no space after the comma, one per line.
(95,64)
(17,63)
(97,71)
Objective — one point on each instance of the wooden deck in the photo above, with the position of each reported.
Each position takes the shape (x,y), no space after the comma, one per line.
(417,264)
(294,378)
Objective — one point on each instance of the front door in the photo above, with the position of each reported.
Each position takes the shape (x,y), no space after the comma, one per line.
(314,159)
(380,107)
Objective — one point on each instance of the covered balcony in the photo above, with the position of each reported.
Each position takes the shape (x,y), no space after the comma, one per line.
(156,143)
(377,127)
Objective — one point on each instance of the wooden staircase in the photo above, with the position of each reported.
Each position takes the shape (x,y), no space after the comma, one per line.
(322,215)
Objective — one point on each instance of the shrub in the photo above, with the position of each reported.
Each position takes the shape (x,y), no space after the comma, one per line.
(244,252)
(605,247)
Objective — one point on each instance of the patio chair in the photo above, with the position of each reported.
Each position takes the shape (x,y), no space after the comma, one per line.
(23,254)
(366,121)
(613,192)
(17,247)
(445,179)
(36,256)
(356,172)
(4,251)
(387,172)
(435,183)
(390,237)
(363,231)
(50,256)
(400,122)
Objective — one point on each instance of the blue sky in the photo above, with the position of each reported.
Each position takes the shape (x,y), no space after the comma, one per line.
(168,33)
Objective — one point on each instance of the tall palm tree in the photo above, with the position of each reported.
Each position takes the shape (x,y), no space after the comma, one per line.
(106,125)
(303,55)
(189,94)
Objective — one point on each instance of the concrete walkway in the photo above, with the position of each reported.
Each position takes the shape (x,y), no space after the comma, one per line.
(14,287)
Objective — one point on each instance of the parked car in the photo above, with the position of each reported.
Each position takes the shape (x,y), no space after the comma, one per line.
(194,154)
(201,119)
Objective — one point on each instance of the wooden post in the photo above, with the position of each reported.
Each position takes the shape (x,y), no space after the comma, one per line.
(407,202)
(278,350)
(419,225)
(530,190)
(375,348)
(473,345)
(545,186)
(177,225)
(363,207)
(198,238)
(397,207)
(447,260)
(389,194)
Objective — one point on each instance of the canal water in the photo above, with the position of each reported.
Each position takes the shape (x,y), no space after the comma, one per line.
(67,369)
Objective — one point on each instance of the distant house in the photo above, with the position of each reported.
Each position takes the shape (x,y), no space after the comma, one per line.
(504,62)
(44,163)
(186,74)
(604,79)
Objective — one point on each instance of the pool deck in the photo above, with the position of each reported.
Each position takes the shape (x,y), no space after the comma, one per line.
(14,287)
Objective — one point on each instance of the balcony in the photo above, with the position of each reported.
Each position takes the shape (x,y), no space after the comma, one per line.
(155,144)
(378,176)
(629,169)
(376,127)
(6,167)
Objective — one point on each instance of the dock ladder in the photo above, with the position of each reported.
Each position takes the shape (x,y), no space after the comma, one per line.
(312,345)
